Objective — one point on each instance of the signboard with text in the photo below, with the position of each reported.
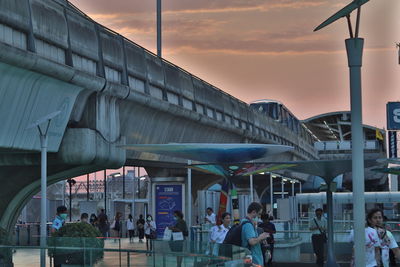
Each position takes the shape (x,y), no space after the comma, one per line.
(168,198)
(392,144)
(393,115)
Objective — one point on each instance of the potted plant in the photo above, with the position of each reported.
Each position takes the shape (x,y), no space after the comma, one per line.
(76,244)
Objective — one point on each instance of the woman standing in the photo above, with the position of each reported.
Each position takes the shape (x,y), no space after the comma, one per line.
(149,232)
(130,227)
(372,243)
(218,232)
(179,226)
(116,226)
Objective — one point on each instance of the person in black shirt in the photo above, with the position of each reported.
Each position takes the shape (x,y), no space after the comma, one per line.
(268,227)
(179,225)
(140,226)
(103,224)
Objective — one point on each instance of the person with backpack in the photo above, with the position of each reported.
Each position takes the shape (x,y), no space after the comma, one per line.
(245,234)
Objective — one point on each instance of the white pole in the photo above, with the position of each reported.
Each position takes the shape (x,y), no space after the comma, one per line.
(159,28)
(354,47)
(283,188)
(189,198)
(292,188)
(43,194)
(271,182)
(251,188)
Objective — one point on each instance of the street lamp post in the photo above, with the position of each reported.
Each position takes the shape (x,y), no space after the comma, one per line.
(43,180)
(71,182)
(354,48)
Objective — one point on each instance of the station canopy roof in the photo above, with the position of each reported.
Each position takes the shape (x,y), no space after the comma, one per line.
(336,126)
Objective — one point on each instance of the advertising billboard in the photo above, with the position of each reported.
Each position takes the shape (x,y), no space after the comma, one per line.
(168,198)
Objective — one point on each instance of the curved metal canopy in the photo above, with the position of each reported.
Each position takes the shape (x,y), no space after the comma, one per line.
(211,152)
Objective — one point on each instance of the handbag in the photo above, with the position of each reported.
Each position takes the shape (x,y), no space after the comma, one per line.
(167,234)
(112,226)
(153,234)
(323,234)
(177,236)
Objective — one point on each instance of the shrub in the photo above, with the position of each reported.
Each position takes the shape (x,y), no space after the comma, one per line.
(76,243)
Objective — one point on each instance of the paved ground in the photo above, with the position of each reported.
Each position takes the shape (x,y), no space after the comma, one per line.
(30,258)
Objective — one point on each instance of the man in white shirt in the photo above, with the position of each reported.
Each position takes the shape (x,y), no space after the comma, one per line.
(317,226)
(210,217)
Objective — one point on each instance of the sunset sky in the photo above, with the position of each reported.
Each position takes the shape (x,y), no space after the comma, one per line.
(266,49)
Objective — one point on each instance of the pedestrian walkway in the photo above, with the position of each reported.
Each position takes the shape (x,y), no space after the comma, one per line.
(31,257)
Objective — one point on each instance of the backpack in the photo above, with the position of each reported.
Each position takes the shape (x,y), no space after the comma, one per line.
(234,235)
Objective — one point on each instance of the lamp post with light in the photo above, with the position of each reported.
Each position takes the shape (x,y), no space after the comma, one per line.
(43,179)
(71,182)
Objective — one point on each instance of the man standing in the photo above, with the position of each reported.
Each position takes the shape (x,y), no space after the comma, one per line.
(210,217)
(250,237)
(60,218)
(317,226)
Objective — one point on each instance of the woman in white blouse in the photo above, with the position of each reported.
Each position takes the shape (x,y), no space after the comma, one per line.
(150,232)
(218,232)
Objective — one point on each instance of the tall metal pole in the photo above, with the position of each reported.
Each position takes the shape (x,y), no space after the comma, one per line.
(189,190)
(70,200)
(105,191)
(87,187)
(283,188)
(43,195)
(251,188)
(123,182)
(271,192)
(354,47)
(330,261)
(159,28)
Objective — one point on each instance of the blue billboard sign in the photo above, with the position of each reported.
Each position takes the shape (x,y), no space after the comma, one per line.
(168,198)
(393,115)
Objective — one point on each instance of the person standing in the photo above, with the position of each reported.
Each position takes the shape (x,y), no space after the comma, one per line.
(103,223)
(59,221)
(85,218)
(268,227)
(317,226)
(178,226)
(130,227)
(218,232)
(150,232)
(250,237)
(140,226)
(210,217)
(372,242)
(93,220)
(387,242)
(116,225)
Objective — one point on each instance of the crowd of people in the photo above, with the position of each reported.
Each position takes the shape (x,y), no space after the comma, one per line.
(255,232)
(112,228)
